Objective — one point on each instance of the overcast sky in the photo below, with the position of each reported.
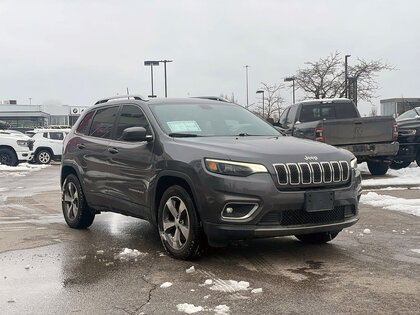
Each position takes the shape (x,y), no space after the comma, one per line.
(79,51)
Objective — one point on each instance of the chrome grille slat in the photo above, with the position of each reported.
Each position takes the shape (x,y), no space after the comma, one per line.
(313,173)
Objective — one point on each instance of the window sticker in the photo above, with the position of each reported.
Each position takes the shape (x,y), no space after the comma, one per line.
(183,126)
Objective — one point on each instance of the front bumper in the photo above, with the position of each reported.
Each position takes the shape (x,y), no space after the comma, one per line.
(25,155)
(260,189)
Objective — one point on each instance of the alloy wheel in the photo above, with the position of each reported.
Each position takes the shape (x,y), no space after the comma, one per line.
(44,157)
(71,200)
(176,222)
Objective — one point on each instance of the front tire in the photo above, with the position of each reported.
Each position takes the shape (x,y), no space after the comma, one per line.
(8,157)
(75,209)
(378,168)
(178,223)
(317,238)
(44,157)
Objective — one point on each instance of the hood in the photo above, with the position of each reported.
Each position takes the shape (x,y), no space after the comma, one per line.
(266,150)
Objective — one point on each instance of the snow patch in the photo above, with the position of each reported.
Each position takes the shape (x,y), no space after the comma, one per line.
(100,252)
(230,286)
(410,206)
(208,282)
(222,309)
(189,308)
(259,290)
(367,231)
(166,285)
(405,176)
(129,253)
(415,250)
(190,270)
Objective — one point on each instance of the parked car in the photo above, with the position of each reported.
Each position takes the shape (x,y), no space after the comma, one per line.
(338,122)
(204,171)
(409,139)
(48,144)
(14,148)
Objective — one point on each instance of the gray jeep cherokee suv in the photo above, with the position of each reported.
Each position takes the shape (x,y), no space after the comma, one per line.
(204,171)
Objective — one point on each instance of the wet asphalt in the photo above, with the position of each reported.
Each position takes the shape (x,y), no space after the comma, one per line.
(48,268)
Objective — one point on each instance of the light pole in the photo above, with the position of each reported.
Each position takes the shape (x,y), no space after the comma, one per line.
(30,101)
(259,92)
(293,80)
(151,64)
(164,64)
(345,75)
(247,100)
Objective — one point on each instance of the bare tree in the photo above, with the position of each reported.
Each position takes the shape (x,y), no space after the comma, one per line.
(325,78)
(273,102)
(231,99)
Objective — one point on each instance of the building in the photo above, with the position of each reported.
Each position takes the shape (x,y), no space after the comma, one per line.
(32,116)
(397,106)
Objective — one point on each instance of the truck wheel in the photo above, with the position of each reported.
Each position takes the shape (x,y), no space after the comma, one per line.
(317,238)
(43,156)
(396,165)
(73,203)
(179,226)
(8,157)
(378,168)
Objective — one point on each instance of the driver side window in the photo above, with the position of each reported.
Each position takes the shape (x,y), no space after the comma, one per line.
(131,116)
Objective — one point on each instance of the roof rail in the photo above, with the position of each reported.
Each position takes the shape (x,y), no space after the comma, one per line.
(212,98)
(136,97)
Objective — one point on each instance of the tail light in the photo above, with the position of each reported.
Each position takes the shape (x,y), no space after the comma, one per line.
(395,130)
(319,134)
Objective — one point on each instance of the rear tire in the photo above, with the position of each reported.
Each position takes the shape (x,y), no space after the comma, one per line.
(8,157)
(43,156)
(396,165)
(418,158)
(378,168)
(179,225)
(317,238)
(75,209)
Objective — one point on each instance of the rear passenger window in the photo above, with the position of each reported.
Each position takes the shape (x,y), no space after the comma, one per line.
(103,122)
(56,136)
(83,127)
(345,110)
(131,116)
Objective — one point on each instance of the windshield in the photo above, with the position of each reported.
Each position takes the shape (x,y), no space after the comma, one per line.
(210,120)
(413,113)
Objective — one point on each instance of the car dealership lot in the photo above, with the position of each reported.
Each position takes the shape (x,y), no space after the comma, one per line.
(118,264)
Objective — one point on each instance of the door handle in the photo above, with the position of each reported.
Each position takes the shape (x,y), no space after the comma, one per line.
(113,150)
(81,146)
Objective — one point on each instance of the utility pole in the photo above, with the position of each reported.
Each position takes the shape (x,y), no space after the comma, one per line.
(247,99)
(346,76)
(258,92)
(293,80)
(30,101)
(164,66)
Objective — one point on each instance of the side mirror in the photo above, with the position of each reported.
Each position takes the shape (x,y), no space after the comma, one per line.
(270,120)
(136,134)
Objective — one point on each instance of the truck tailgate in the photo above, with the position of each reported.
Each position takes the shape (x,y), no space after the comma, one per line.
(358,130)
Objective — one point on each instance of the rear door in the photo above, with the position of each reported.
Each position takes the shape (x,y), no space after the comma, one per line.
(92,153)
(56,141)
(130,164)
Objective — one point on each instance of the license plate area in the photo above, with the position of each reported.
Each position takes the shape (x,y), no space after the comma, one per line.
(319,201)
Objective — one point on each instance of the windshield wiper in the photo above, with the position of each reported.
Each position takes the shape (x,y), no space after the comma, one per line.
(182,135)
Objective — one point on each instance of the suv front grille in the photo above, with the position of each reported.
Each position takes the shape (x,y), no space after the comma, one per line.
(301,217)
(314,173)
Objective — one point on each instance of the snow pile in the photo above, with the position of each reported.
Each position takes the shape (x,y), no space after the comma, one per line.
(190,270)
(189,308)
(367,231)
(20,170)
(405,176)
(166,285)
(410,206)
(128,254)
(221,310)
(230,286)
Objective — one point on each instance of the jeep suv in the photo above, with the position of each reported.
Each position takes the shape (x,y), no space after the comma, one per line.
(204,172)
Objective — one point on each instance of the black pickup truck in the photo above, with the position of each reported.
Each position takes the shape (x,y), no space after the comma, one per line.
(409,139)
(338,122)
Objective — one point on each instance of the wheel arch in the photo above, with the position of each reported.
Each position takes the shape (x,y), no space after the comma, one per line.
(44,148)
(165,180)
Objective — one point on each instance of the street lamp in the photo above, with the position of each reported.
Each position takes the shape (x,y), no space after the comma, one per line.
(247,102)
(151,64)
(259,92)
(293,80)
(164,64)
(345,75)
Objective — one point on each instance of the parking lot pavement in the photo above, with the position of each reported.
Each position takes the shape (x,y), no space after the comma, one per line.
(118,265)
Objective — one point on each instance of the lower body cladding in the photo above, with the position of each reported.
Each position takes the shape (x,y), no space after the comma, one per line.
(253,207)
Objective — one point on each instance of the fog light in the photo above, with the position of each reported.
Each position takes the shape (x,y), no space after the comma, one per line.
(238,211)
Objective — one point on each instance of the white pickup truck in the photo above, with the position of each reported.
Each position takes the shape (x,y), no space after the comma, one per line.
(15,147)
(48,144)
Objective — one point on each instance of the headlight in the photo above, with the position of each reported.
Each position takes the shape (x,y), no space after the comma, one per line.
(233,168)
(353,163)
(22,143)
